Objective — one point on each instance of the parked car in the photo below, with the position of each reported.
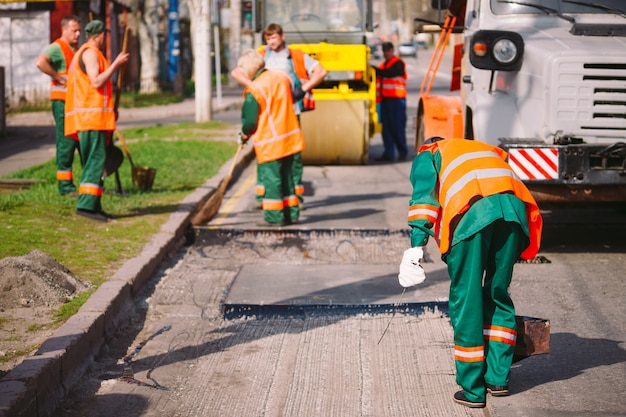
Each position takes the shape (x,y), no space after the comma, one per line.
(407,49)
(421,45)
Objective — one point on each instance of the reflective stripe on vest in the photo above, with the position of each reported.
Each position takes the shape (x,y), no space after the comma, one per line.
(394,87)
(57,91)
(278,132)
(87,108)
(470,170)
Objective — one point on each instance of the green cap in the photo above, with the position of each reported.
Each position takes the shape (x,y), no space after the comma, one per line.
(95,27)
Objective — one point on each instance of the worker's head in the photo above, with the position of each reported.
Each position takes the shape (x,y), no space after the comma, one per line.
(70,29)
(387,50)
(274,36)
(250,62)
(95,31)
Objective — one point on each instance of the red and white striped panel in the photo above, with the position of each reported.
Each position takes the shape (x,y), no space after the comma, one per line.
(535,163)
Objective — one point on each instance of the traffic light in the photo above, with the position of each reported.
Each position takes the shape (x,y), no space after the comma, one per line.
(247,12)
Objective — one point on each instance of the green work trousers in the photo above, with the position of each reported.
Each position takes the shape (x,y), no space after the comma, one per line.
(280,204)
(65,150)
(93,144)
(297,171)
(480,269)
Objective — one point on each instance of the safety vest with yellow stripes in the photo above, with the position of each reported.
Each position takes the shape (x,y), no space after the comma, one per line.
(57,91)
(88,108)
(278,132)
(392,87)
(471,170)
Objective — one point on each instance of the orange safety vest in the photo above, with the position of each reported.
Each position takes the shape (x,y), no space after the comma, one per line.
(470,170)
(394,87)
(57,91)
(278,132)
(297,58)
(87,108)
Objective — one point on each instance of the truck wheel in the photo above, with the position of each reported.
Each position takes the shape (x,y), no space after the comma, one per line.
(420,130)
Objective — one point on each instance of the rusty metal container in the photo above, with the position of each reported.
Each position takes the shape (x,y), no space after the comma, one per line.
(143,177)
(533,337)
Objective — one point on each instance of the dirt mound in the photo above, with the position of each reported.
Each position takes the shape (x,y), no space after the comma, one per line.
(36,280)
(32,286)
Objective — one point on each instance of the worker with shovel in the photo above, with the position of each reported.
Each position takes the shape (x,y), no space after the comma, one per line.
(90,116)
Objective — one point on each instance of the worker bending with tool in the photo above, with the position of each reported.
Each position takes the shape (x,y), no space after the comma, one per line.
(484,219)
(268,116)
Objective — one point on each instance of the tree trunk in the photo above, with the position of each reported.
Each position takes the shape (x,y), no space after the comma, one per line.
(148,29)
(200,19)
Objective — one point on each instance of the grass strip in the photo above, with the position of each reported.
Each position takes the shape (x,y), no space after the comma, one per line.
(39,218)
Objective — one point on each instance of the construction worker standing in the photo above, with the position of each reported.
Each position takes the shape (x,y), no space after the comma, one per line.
(90,116)
(484,219)
(55,61)
(391,97)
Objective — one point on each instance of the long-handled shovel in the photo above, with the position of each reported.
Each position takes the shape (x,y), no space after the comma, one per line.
(143,177)
(114,156)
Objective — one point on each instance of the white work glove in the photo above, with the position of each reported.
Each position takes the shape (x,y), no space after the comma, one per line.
(243,139)
(411,272)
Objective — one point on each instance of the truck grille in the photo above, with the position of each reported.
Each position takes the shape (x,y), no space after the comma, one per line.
(590,98)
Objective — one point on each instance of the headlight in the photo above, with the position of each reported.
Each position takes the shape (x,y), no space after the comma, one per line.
(504,51)
(496,50)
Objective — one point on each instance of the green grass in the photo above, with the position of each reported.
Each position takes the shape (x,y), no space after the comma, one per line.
(39,218)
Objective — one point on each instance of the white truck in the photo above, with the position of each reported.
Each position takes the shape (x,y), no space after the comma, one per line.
(546,81)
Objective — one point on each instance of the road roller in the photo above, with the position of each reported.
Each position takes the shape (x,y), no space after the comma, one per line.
(338,130)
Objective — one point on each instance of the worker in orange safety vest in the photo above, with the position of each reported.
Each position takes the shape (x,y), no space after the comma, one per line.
(269,118)
(90,116)
(484,219)
(391,99)
(305,74)
(55,61)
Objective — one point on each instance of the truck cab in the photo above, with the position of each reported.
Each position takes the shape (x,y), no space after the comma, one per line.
(546,81)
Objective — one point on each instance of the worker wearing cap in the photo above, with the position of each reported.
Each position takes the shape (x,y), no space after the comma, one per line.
(484,219)
(391,97)
(55,61)
(90,116)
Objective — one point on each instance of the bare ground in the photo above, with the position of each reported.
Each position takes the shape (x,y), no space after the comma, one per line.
(32,287)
